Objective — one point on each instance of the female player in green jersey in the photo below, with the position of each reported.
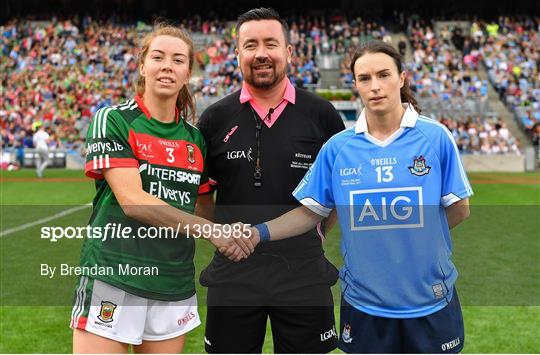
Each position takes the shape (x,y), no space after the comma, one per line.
(148,162)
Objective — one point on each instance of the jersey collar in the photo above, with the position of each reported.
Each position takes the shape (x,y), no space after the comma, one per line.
(144,109)
(289,94)
(408,120)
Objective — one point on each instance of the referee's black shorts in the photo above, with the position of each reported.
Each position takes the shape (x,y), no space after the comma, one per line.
(294,293)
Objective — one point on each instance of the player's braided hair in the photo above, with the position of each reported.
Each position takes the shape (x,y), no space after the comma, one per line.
(382,47)
(184,102)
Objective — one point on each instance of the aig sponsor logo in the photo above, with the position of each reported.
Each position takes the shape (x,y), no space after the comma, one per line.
(392,208)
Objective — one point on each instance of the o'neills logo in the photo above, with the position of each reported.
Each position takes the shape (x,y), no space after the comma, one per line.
(231,132)
(191,153)
(186,319)
(451,344)
(106,312)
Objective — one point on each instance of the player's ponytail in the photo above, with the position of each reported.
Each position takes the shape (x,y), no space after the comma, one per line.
(382,47)
(407,95)
(184,103)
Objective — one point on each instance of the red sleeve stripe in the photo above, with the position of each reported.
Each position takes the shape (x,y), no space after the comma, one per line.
(93,168)
(212,181)
(204,188)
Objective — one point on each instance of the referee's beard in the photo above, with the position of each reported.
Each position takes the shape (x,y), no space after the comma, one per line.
(264,82)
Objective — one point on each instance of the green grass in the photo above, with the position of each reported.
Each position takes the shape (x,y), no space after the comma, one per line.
(45,192)
(493,194)
(497,252)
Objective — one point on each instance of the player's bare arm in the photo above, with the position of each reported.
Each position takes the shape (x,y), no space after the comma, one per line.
(205,206)
(457,212)
(330,221)
(140,205)
(293,223)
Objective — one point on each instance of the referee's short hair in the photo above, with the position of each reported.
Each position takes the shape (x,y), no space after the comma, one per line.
(263,13)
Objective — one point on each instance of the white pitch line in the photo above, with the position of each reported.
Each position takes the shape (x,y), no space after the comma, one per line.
(43,220)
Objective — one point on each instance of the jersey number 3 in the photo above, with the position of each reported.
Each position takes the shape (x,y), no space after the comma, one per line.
(170,158)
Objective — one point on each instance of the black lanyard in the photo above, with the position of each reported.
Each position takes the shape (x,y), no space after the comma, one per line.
(257,175)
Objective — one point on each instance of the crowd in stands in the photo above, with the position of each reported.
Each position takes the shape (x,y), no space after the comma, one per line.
(61,72)
(335,36)
(478,135)
(196,24)
(363,32)
(439,70)
(310,37)
(445,67)
(510,52)
(221,75)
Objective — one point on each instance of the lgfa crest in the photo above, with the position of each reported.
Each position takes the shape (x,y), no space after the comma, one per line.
(191,153)
(419,167)
(346,334)
(107,311)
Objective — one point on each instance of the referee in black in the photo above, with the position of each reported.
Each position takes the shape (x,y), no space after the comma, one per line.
(261,141)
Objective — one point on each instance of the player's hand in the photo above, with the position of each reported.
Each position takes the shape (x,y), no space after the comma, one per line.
(243,246)
(226,244)
(243,239)
(254,236)
(233,252)
(233,245)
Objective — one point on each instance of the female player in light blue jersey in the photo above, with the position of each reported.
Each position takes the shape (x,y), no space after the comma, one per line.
(398,185)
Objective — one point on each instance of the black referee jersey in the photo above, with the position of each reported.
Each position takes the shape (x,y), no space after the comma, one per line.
(286,151)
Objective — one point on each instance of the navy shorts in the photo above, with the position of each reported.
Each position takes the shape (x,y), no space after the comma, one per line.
(440,332)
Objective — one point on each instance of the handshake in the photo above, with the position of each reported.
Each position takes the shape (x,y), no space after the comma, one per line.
(236,241)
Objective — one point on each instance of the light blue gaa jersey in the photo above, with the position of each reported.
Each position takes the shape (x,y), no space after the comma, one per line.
(390,198)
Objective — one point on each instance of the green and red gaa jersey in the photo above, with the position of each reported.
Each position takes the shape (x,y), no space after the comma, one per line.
(170,158)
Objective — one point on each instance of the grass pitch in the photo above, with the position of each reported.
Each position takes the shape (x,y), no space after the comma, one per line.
(497,252)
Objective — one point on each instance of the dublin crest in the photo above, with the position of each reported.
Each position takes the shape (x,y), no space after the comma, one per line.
(346,334)
(419,167)
(107,311)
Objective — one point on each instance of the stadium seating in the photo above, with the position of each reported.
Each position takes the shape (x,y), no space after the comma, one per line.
(61,72)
